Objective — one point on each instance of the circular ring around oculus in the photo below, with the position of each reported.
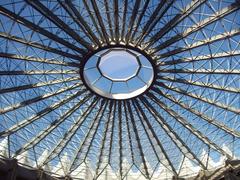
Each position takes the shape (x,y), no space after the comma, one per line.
(118,73)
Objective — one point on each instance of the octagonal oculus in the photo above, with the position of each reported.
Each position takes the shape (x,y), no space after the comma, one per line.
(118,73)
(119,65)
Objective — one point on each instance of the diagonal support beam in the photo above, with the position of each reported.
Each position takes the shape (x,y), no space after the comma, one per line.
(58,22)
(40,30)
(103,142)
(132,20)
(202,116)
(101,37)
(201,84)
(138,21)
(128,132)
(112,133)
(153,134)
(186,151)
(100,21)
(116,20)
(138,140)
(36,85)
(156,16)
(188,126)
(38,45)
(31,143)
(95,132)
(60,146)
(36,72)
(202,71)
(124,20)
(37,99)
(198,97)
(120,135)
(198,58)
(93,127)
(39,115)
(35,59)
(219,37)
(106,5)
(200,25)
(192,6)
(79,20)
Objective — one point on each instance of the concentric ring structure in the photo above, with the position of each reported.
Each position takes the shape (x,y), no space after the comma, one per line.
(118,73)
(185,123)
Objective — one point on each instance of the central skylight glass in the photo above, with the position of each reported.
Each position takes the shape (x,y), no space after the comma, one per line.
(119,65)
(118,73)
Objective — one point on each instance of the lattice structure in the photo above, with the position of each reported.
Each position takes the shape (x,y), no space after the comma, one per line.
(186,122)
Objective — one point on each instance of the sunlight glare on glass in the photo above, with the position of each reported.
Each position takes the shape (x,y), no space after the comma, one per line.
(119,65)
(118,73)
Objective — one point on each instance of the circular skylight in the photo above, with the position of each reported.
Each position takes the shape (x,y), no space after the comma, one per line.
(118,73)
(118,65)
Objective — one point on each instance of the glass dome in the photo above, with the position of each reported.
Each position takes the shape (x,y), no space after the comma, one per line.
(185,119)
(118,73)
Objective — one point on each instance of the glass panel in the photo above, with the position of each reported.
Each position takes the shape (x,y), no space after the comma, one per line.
(119,87)
(118,65)
(104,84)
(91,75)
(118,74)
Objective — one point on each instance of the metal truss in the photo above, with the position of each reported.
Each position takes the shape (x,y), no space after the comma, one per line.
(185,123)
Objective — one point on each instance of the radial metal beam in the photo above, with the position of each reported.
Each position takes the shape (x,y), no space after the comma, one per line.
(200,43)
(60,146)
(36,85)
(79,20)
(132,20)
(194,4)
(201,84)
(100,21)
(198,97)
(116,20)
(40,30)
(45,132)
(92,129)
(138,140)
(202,116)
(36,72)
(171,133)
(196,27)
(120,136)
(198,58)
(153,134)
(39,115)
(106,129)
(157,14)
(128,132)
(124,20)
(106,5)
(93,20)
(58,22)
(38,45)
(138,21)
(202,71)
(36,99)
(95,131)
(112,133)
(36,59)
(156,17)
(188,126)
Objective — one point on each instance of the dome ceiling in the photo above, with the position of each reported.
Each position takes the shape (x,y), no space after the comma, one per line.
(183,117)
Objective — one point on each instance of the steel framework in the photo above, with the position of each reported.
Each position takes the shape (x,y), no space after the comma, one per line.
(186,124)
